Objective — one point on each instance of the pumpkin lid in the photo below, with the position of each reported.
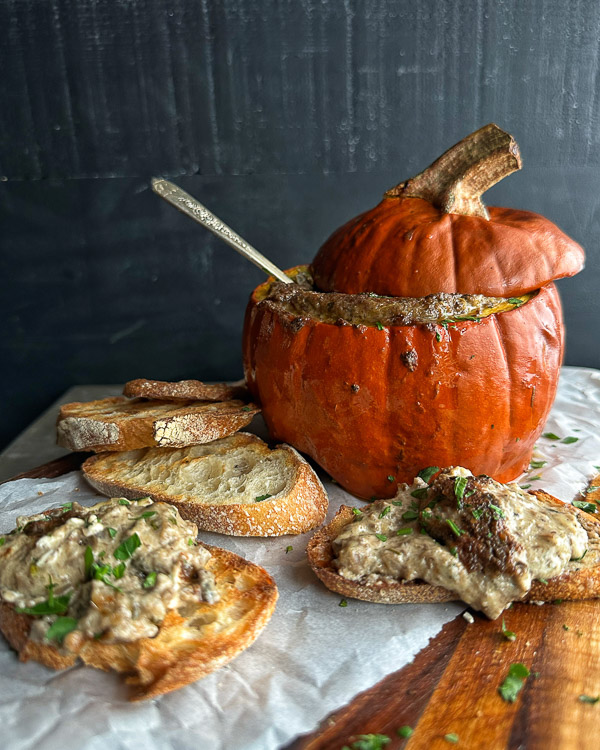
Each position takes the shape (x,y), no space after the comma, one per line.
(433,234)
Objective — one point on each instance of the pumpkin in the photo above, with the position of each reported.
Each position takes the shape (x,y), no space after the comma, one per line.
(375,403)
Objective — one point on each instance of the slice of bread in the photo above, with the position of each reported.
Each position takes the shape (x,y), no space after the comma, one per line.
(184,390)
(236,485)
(121,424)
(580,579)
(187,647)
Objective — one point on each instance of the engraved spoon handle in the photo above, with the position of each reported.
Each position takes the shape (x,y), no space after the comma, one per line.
(195,210)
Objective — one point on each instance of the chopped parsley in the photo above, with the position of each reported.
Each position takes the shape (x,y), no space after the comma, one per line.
(543,580)
(2,540)
(289,548)
(61,627)
(150,580)
(410,515)
(550,436)
(381,537)
(569,440)
(534,479)
(438,336)
(260,498)
(119,570)
(427,474)
(508,634)
(405,731)
(477,513)
(125,550)
(343,603)
(453,551)
(54,605)
(589,699)
(385,511)
(577,559)
(246,408)
(379,326)
(357,511)
(583,505)
(460,485)
(124,501)
(498,512)
(516,301)
(452,737)
(510,688)
(112,532)
(420,493)
(537,464)
(454,527)
(391,478)
(525,486)
(67,506)
(565,627)
(191,542)
(368,742)
(148,514)
(404,531)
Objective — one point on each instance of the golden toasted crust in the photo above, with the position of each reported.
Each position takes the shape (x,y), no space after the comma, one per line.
(186,648)
(183,390)
(581,579)
(121,424)
(299,507)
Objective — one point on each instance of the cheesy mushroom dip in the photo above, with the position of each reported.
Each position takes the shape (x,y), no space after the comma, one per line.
(110,571)
(483,540)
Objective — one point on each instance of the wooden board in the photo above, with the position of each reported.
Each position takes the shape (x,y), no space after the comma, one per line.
(451,687)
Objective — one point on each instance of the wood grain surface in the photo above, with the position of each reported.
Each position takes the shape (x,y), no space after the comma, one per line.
(451,687)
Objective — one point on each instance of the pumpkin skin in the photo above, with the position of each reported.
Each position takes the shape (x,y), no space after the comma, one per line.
(406,247)
(479,397)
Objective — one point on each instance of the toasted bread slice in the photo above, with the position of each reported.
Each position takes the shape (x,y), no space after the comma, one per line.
(121,424)
(580,579)
(184,390)
(236,485)
(187,647)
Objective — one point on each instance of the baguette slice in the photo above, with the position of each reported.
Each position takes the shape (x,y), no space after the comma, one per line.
(218,485)
(184,390)
(580,579)
(121,424)
(185,649)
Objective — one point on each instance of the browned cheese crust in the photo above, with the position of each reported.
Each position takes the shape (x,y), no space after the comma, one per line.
(184,390)
(185,649)
(121,424)
(581,579)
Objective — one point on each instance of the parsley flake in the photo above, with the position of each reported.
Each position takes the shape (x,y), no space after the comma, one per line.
(569,440)
(550,436)
(124,501)
(427,474)
(589,699)
(61,627)
(67,506)
(583,505)
(112,532)
(357,511)
(537,464)
(385,511)
(379,326)
(289,548)
(391,478)
(260,498)
(510,688)
(404,531)
(405,731)
(498,512)
(454,527)
(125,550)
(452,737)
(420,493)
(343,603)
(508,634)
(148,514)
(368,742)
(150,580)
(460,485)
(410,515)
(381,537)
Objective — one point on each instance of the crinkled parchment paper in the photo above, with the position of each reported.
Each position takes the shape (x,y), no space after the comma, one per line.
(313,657)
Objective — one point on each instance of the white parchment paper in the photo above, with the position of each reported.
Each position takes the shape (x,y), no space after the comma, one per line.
(313,657)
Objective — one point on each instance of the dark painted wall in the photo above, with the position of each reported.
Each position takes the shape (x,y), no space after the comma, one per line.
(286,118)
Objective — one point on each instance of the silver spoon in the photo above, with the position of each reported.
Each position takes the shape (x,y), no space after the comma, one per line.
(195,210)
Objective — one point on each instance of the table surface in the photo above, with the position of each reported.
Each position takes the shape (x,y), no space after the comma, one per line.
(448,677)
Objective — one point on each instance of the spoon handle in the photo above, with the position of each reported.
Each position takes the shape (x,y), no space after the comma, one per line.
(195,210)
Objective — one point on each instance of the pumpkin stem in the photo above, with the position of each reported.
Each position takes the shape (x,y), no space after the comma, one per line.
(455,181)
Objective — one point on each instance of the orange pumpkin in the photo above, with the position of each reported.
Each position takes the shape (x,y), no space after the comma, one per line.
(374,404)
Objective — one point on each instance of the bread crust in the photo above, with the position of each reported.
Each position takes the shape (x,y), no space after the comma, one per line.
(121,424)
(580,580)
(300,509)
(183,390)
(185,649)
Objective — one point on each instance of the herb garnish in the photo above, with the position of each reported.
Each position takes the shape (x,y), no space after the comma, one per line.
(2,540)
(477,513)
(517,674)
(381,537)
(368,742)
(577,559)
(124,501)
(112,532)
(420,493)
(589,699)
(125,550)
(88,561)
(343,603)
(537,464)
(67,506)
(404,531)
(260,498)
(516,301)
(148,514)
(508,634)
(428,473)
(454,527)
(583,505)
(460,485)
(357,511)
(405,731)
(54,605)
(498,512)
(61,627)
(118,571)
(150,580)
(525,486)
(543,580)
(569,440)
(550,436)
(379,326)
(385,511)
(289,548)
(452,738)
(410,515)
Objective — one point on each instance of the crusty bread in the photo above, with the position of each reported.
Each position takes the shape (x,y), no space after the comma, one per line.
(121,424)
(184,390)
(217,485)
(185,649)
(581,579)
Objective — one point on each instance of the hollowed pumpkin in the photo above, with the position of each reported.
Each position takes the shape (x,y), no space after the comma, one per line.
(374,403)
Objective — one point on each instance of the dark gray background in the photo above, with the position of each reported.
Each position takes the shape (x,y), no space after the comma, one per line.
(286,118)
